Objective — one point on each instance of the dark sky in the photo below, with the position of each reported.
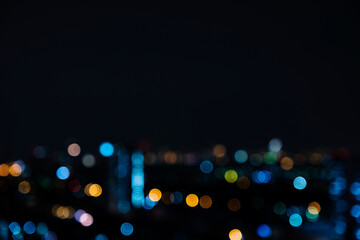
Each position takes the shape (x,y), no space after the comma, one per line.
(182,75)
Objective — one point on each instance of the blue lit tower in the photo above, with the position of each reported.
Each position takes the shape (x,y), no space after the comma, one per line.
(137,179)
(119,181)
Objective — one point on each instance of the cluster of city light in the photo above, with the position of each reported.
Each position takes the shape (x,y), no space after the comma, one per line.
(93,190)
(261,176)
(13,169)
(151,199)
(355,209)
(241,176)
(63,212)
(312,212)
(172,198)
(84,218)
(29,228)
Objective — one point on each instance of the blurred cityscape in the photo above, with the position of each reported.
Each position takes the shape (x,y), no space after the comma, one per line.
(120,191)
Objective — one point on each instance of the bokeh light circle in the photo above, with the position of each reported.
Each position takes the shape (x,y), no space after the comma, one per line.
(155,195)
(74,150)
(106,149)
(206,166)
(235,234)
(101,237)
(295,220)
(192,200)
(29,227)
(264,231)
(300,183)
(241,156)
(63,173)
(231,176)
(126,229)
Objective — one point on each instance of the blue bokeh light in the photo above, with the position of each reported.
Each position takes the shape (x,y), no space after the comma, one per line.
(101,237)
(124,206)
(300,183)
(355,211)
(241,156)
(263,176)
(355,188)
(264,231)
(295,220)
(121,171)
(126,229)
(176,197)
(292,210)
(106,149)
(148,204)
(18,236)
(42,228)
(337,186)
(14,228)
(357,233)
(206,167)
(50,236)
(62,173)
(340,227)
(29,227)
(137,179)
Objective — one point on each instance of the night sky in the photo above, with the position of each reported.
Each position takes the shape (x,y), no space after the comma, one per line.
(184,76)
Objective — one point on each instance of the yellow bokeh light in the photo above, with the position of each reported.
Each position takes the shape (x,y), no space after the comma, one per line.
(243,182)
(4,170)
(24,187)
(74,149)
(54,209)
(87,188)
(286,163)
(314,208)
(192,200)
(234,205)
(63,212)
(15,170)
(155,195)
(205,202)
(231,176)
(59,211)
(95,190)
(235,234)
